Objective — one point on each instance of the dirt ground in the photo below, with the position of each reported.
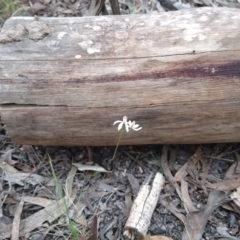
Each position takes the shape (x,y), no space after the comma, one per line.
(199,196)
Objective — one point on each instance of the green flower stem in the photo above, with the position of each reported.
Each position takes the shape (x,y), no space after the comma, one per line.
(117,145)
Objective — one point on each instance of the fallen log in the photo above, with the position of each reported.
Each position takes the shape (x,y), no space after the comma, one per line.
(64,81)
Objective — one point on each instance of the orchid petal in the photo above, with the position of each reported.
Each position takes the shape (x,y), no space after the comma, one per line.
(118,121)
(137,129)
(120,126)
(127,127)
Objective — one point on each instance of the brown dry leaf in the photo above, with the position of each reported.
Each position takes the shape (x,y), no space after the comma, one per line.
(69,181)
(231,170)
(237,170)
(38,7)
(198,2)
(5,166)
(94,229)
(197,156)
(196,221)
(166,170)
(8,154)
(128,203)
(48,229)
(224,233)
(192,171)
(96,7)
(4,161)
(48,214)
(105,230)
(21,177)
(164,162)
(186,198)
(94,168)
(231,206)
(76,211)
(106,188)
(173,157)
(134,183)
(206,164)
(28,148)
(173,210)
(68,11)
(181,5)
(181,173)
(16,221)
(194,164)
(225,185)
(43,202)
(21,166)
(4,221)
(96,194)
(115,7)
(83,238)
(46,2)
(208,3)
(157,238)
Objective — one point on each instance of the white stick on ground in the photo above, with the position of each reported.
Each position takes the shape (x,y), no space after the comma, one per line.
(236,196)
(142,209)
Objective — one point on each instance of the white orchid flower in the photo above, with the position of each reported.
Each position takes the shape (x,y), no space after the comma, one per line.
(127,124)
(122,123)
(134,126)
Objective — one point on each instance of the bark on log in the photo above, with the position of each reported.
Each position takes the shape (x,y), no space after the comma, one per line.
(177,74)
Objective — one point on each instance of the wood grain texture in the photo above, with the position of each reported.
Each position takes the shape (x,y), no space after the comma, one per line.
(177,74)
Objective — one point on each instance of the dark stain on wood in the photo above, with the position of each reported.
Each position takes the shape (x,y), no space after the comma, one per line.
(221,70)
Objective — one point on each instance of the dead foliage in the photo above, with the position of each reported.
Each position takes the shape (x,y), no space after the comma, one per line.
(195,192)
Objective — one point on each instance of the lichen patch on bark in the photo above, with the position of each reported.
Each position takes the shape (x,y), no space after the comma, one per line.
(35,30)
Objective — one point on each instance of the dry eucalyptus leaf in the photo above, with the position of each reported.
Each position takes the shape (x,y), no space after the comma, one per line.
(37,7)
(16,221)
(231,170)
(157,238)
(69,181)
(20,177)
(186,198)
(106,188)
(94,168)
(223,232)
(208,2)
(173,210)
(76,213)
(181,173)
(128,203)
(225,185)
(49,214)
(94,229)
(196,221)
(166,170)
(237,170)
(96,7)
(43,202)
(134,183)
(5,166)
(180,5)
(8,154)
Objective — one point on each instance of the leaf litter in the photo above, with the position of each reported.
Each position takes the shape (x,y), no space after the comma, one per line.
(109,195)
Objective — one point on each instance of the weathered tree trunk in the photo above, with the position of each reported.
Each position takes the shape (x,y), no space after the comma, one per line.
(66,80)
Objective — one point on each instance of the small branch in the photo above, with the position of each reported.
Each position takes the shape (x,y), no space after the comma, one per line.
(142,209)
